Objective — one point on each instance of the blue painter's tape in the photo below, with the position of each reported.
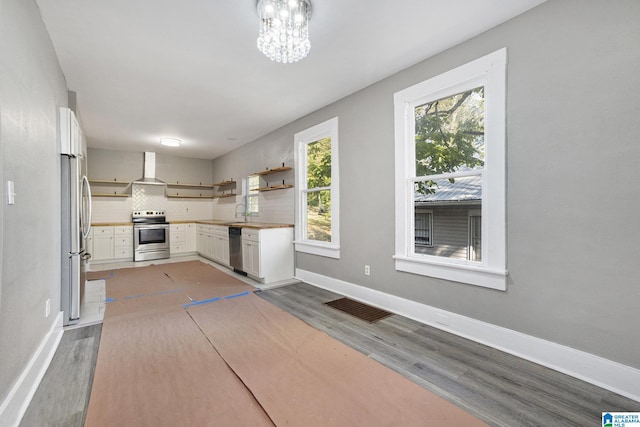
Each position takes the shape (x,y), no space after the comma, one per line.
(110,300)
(111,274)
(237,295)
(204,301)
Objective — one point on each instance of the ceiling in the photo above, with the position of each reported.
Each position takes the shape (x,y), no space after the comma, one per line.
(146,69)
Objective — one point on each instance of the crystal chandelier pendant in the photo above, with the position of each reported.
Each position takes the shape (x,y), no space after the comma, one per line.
(284,29)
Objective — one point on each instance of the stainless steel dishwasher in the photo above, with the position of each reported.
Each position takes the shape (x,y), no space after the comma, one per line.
(235,249)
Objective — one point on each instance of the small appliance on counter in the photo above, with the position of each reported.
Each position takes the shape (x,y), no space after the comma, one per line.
(150,235)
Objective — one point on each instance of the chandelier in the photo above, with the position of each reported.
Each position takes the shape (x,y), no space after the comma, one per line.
(284,29)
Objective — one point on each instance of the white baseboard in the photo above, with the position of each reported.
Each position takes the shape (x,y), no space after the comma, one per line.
(17,401)
(596,370)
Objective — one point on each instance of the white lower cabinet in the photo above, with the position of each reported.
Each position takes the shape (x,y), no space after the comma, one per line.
(103,248)
(251,253)
(177,238)
(108,243)
(267,254)
(191,233)
(182,238)
(123,242)
(89,244)
(221,245)
(213,243)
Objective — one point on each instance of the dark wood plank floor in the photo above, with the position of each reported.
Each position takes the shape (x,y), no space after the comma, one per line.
(500,389)
(496,387)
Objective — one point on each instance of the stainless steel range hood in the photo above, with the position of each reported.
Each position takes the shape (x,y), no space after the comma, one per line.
(149,171)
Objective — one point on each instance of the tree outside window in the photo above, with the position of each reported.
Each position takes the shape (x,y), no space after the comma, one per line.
(318,190)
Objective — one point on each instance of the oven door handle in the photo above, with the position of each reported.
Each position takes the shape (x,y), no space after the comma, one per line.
(150,227)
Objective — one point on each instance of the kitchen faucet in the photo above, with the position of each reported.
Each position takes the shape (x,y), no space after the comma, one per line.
(244,211)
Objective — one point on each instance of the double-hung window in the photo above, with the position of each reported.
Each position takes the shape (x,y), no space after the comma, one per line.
(253,195)
(450,175)
(317,183)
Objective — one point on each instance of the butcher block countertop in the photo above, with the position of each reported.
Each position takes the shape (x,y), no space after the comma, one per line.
(111,224)
(255,225)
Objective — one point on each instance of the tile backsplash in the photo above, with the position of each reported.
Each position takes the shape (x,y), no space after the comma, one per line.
(275,206)
(148,197)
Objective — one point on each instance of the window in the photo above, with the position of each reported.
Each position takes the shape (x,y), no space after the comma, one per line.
(317,204)
(450,175)
(423,227)
(253,183)
(475,236)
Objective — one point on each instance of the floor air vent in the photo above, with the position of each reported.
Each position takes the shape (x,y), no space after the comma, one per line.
(359,310)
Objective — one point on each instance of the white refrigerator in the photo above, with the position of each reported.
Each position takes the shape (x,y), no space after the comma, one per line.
(75,197)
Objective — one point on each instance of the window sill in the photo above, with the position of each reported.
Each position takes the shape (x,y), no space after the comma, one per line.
(325,250)
(463,273)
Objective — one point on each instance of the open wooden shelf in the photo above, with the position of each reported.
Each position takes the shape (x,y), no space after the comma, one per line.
(275,187)
(222,196)
(109,195)
(181,196)
(104,181)
(274,170)
(224,183)
(201,185)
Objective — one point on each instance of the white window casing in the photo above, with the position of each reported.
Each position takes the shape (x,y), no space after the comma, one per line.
(331,249)
(489,72)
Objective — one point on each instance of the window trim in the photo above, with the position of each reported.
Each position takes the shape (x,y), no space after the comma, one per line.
(490,72)
(301,139)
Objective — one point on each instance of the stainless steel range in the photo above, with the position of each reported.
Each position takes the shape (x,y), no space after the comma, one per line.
(150,235)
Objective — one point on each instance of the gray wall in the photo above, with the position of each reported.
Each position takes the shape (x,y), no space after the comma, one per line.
(269,151)
(129,165)
(32,87)
(124,166)
(572,197)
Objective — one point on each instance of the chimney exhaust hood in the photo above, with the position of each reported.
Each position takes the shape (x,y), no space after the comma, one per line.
(149,171)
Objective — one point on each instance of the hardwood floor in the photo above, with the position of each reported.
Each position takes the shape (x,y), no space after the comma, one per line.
(500,389)
(63,395)
(496,387)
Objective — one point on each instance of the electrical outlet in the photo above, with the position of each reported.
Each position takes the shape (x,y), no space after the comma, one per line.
(367,270)
(47,307)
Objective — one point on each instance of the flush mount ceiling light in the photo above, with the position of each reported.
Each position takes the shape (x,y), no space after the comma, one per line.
(284,29)
(170,142)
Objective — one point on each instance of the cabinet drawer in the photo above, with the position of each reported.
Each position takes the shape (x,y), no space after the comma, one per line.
(219,230)
(125,230)
(249,234)
(178,228)
(177,237)
(102,231)
(122,252)
(177,248)
(205,229)
(121,240)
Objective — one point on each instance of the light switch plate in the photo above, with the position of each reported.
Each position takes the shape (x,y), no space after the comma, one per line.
(11,194)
